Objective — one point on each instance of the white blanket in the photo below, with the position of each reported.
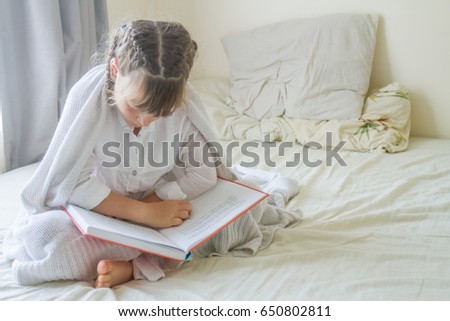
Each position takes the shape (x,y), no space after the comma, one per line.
(44,244)
(280,188)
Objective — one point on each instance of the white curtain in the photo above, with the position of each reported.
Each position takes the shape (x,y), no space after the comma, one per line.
(2,151)
(45,47)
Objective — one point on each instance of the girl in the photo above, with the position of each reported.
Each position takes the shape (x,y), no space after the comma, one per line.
(138,103)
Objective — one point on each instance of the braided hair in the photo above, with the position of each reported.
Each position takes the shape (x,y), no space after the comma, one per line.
(157,58)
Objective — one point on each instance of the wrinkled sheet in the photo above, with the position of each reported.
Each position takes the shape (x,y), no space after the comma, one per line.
(375,229)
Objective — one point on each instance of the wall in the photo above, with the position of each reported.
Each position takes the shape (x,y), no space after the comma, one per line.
(413,45)
(120,11)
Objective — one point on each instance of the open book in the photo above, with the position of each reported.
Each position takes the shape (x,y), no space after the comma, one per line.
(211,212)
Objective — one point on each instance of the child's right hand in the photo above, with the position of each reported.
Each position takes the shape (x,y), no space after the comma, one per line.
(166,213)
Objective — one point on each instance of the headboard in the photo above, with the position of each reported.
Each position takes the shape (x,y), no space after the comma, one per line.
(412,43)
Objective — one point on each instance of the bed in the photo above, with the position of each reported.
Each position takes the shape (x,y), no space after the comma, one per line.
(376,212)
(376,229)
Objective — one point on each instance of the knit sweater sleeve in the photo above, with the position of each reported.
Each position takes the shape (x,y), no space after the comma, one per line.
(89,191)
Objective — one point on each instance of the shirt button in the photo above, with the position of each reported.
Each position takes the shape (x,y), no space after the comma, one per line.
(134,173)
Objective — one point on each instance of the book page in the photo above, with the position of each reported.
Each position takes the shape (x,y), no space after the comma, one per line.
(212,211)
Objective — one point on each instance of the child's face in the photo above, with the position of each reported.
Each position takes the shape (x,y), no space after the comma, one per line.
(133,116)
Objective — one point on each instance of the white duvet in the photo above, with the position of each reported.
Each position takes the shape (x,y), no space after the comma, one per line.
(383,126)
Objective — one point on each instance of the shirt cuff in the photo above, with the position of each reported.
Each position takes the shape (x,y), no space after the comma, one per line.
(169,191)
(89,193)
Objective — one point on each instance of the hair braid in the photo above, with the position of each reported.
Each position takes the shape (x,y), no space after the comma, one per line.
(109,86)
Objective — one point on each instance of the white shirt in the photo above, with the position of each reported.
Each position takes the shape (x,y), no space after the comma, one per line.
(136,166)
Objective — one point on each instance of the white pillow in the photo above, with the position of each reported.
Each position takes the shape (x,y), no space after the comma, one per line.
(317,68)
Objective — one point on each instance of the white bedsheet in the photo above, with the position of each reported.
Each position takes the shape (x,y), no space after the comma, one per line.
(377,229)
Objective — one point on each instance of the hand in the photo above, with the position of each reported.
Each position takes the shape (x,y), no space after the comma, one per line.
(166,213)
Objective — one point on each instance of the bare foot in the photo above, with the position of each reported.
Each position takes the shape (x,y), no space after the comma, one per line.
(112,273)
(166,213)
